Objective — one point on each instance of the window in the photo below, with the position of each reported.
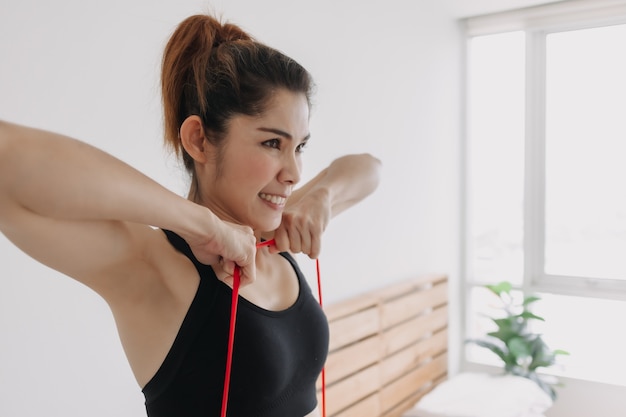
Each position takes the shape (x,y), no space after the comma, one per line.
(585,146)
(546,176)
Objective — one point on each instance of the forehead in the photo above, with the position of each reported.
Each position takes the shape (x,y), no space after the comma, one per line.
(285,111)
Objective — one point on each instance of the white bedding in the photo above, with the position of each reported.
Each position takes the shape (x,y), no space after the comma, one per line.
(483,395)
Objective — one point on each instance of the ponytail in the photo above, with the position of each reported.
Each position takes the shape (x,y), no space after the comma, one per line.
(216,71)
(184,68)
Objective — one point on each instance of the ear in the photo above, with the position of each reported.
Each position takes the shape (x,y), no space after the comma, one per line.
(193,139)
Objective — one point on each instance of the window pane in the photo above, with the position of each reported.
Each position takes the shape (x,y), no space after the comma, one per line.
(495,157)
(590,330)
(585,151)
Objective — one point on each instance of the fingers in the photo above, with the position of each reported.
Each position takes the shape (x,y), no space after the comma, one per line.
(302,226)
(298,237)
(243,256)
(234,246)
(224,246)
(247,274)
(281,241)
(316,246)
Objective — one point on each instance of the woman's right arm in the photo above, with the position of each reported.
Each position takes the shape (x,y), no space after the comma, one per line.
(87,214)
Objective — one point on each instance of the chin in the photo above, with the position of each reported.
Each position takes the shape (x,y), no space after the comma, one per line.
(267,225)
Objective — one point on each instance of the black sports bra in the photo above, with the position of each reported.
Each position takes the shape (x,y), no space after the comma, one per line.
(277,358)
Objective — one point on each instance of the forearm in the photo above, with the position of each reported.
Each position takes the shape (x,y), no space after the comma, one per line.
(347,180)
(58,177)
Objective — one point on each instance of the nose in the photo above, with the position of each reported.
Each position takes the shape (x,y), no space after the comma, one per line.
(291,169)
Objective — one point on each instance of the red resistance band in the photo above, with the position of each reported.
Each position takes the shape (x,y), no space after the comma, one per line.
(231,331)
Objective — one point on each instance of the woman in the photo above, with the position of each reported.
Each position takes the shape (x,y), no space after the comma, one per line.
(237,113)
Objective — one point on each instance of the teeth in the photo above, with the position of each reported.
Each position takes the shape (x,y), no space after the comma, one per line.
(274,199)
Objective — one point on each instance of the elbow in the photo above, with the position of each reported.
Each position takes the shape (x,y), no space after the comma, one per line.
(5,175)
(366,170)
(9,147)
(364,161)
(363,169)
(372,167)
(375,163)
(4,142)
(377,167)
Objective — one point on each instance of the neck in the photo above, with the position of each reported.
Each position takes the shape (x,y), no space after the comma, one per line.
(195,196)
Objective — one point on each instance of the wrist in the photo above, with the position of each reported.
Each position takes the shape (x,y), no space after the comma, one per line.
(197,223)
(323,192)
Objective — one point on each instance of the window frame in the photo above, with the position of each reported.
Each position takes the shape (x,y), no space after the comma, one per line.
(537,23)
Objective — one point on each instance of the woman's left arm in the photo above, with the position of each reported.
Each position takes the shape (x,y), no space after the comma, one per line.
(345,182)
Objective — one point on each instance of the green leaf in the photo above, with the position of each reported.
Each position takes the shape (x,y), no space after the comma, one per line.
(514,369)
(519,347)
(492,346)
(527,315)
(530,299)
(502,287)
(542,361)
(508,327)
(541,353)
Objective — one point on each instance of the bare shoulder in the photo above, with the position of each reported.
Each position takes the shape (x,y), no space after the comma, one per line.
(149,300)
(156,275)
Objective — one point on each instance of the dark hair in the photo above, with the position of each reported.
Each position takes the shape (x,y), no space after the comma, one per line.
(216,71)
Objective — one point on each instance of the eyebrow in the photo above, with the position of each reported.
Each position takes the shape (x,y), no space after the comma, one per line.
(281,133)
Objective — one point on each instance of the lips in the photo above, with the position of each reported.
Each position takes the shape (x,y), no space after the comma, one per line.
(274,199)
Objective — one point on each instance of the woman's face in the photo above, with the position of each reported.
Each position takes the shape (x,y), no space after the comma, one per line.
(260,163)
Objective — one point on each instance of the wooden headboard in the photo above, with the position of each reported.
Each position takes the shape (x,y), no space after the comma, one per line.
(387,348)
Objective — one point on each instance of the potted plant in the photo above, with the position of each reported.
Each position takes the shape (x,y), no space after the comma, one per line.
(522,351)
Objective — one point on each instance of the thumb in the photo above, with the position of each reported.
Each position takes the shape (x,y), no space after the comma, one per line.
(247,274)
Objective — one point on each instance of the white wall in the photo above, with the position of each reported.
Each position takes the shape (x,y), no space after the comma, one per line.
(578,398)
(388,83)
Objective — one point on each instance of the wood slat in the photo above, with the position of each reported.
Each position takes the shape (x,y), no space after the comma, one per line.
(403,335)
(388,347)
(420,283)
(367,407)
(403,361)
(397,391)
(413,304)
(344,362)
(410,335)
(351,306)
(352,328)
(349,391)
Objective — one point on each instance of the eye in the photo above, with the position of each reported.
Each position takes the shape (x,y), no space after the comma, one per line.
(300,148)
(272,143)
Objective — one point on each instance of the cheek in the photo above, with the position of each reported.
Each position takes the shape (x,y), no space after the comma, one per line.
(254,170)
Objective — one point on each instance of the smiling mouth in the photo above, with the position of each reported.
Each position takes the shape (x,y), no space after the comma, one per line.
(274,199)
